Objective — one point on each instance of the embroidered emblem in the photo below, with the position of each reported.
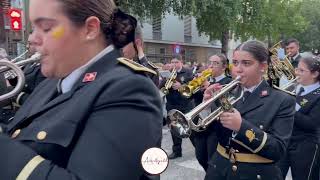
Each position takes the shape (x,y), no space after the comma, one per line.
(88,77)
(250,135)
(304,102)
(317,92)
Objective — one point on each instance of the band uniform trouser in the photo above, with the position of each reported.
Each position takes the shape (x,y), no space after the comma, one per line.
(303,159)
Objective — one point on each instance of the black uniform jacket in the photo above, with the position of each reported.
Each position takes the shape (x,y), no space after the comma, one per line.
(295,61)
(307,119)
(98,130)
(267,121)
(174,99)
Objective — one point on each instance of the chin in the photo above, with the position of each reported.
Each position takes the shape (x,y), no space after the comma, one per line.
(46,72)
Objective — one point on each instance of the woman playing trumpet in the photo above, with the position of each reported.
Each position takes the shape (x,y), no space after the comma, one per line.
(303,150)
(206,142)
(96,114)
(255,133)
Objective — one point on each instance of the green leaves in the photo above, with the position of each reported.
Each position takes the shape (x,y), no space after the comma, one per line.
(244,19)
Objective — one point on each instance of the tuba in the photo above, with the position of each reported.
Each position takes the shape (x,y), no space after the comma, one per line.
(182,124)
(280,67)
(6,65)
(169,82)
(194,85)
(290,87)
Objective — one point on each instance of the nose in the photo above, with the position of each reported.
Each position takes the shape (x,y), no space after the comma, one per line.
(34,40)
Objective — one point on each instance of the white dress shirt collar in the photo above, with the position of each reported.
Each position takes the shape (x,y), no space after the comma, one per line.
(68,82)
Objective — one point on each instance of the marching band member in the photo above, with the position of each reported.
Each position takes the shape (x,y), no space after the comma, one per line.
(254,135)
(303,150)
(206,142)
(292,49)
(134,50)
(176,101)
(96,113)
(32,74)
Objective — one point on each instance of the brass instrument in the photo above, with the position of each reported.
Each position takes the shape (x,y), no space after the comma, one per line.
(6,65)
(182,124)
(194,85)
(290,87)
(169,82)
(281,67)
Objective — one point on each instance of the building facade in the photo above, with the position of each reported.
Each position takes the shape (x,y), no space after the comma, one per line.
(170,35)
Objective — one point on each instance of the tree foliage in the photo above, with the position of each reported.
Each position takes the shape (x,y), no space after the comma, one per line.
(261,19)
(310,37)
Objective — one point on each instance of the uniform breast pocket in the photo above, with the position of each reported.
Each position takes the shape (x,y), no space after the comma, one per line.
(60,134)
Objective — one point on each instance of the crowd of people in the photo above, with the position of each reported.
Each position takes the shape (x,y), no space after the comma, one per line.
(94,104)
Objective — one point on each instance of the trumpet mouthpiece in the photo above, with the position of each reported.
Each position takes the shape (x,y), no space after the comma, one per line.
(36,55)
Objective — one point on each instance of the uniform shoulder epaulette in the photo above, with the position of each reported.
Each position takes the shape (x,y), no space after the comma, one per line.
(135,66)
(153,65)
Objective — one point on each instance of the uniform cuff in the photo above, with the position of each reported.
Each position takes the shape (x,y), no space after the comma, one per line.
(251,137)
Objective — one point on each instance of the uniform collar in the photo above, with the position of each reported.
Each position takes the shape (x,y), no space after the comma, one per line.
(295,57)
(219,78)
(308,89)
(68,82)
(251,89)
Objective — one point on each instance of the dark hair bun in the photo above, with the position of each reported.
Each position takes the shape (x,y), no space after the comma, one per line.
(123,29)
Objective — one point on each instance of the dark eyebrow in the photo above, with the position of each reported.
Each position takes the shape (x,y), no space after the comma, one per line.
(43,19)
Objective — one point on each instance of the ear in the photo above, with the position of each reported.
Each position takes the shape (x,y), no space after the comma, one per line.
(263,67)
(92,28)
(315,75)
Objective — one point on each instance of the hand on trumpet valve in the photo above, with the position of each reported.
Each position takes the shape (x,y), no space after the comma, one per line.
(176,85)
(205,85)
(209,92)
(231,120)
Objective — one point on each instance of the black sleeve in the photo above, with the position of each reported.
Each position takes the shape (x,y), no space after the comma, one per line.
(272,143)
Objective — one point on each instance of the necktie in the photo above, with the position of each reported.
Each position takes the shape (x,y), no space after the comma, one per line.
(301,90)
(213,80)
(57,92)
(246,94)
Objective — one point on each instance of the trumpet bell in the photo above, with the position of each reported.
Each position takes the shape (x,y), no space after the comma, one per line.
(179,125)
(182,124)
(21,79)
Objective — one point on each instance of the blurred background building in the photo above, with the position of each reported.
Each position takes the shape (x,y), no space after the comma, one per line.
(170,34)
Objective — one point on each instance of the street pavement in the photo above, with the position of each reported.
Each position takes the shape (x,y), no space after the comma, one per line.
(186,167)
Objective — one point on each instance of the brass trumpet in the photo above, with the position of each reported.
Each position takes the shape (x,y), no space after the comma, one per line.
(182,124)
(169,82)
(6,65)
(194,85)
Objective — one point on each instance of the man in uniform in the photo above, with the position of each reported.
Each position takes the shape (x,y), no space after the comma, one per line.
(292,49)
(176,101)
(33,77)
(134,51)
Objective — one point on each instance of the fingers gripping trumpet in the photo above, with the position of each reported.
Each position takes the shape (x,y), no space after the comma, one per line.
(194,86)
(169,82)
(182,124)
